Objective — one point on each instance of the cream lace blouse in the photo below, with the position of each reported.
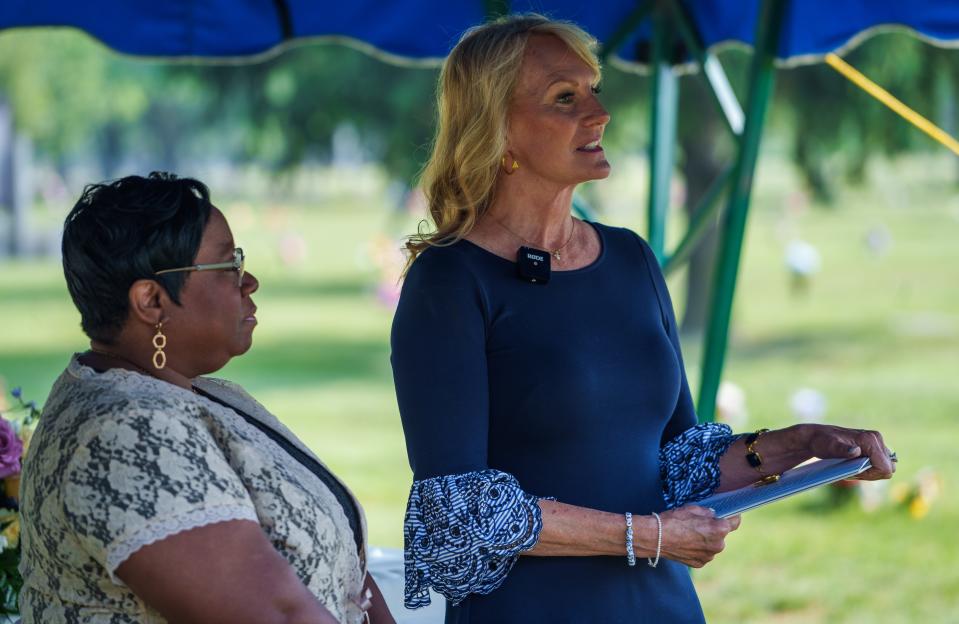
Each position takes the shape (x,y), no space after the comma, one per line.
(121,460)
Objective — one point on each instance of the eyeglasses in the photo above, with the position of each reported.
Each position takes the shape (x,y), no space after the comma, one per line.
(237,264)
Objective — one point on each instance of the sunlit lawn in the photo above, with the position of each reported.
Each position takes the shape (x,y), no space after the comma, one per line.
(878,335)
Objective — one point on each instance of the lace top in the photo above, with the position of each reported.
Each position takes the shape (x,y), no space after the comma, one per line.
(511,391)
(121,460)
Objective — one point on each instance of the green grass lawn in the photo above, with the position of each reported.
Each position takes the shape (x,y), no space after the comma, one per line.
(877,335)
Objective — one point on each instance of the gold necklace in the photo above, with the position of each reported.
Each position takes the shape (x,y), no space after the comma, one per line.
(139,368)
(116,356)
(553,252)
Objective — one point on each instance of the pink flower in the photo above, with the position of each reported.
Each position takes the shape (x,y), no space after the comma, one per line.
(11,449)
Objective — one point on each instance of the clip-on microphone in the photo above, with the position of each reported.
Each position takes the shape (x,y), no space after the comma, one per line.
(532,265)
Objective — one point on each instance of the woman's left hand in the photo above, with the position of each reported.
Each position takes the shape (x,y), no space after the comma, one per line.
(829,441)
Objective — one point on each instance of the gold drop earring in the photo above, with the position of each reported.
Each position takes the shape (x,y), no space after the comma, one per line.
(159,343)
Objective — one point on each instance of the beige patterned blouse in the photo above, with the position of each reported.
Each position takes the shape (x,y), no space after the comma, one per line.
(121,460)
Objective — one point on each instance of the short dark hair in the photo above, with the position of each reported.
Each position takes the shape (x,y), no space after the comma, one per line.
(122,231)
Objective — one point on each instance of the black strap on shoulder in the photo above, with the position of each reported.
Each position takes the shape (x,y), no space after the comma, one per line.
(342,496)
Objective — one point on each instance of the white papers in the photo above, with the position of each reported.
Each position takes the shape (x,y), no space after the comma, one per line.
(800,479)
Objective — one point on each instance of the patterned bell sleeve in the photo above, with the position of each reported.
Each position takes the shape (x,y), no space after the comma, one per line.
(143,474)
(689,463)
(463,533)
(466,523)
(689,453)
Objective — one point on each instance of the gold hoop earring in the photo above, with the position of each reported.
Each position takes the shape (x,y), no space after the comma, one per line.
(159,343)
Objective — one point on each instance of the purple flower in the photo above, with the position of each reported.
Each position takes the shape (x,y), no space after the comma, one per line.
(11,448)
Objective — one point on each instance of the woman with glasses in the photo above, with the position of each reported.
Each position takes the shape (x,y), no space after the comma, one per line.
(150,492)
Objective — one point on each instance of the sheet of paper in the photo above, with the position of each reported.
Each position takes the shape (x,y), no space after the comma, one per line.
(799,479)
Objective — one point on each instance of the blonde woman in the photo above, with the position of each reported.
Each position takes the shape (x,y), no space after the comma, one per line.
(538,371)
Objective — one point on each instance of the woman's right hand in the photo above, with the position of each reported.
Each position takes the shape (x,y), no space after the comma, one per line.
(693,535)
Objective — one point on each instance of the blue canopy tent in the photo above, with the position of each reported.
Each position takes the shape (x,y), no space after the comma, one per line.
(657,34)
(427,29)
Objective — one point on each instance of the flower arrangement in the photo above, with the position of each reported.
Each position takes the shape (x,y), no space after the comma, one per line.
(16,428)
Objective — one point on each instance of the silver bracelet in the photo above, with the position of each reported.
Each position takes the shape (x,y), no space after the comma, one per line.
(659,542)
(630,555)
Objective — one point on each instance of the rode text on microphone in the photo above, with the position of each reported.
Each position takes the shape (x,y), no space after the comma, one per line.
(532,265)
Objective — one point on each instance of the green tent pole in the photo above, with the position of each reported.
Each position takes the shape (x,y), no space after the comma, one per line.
(760,89)
(496,8)
(665,99)
(704,213)
(626,28)
(712,69)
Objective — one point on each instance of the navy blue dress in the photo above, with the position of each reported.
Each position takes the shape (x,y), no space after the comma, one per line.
(573,390)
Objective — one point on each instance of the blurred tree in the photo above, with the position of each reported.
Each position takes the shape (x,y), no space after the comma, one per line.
(10,208)
(73,100)
(833,127)
(706,148)
(836,127)
(63,89)
(79,102)
(291,105)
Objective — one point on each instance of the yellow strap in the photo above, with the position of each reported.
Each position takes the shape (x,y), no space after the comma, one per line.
(889,100)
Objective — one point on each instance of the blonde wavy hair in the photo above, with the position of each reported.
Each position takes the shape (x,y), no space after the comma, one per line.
(474,92)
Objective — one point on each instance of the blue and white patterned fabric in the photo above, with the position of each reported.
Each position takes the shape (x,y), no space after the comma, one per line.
(689,463)
(464,532)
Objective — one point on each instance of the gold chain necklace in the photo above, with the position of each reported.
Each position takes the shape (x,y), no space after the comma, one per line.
(553,252)
(140,369)
(117,356)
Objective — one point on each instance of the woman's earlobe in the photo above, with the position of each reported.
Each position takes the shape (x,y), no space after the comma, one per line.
(509,164)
